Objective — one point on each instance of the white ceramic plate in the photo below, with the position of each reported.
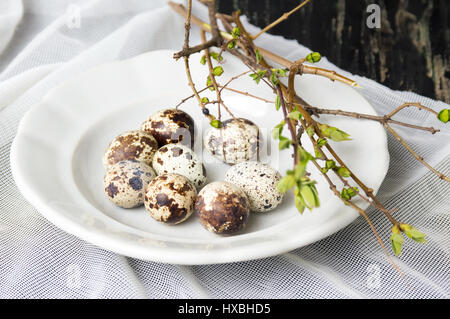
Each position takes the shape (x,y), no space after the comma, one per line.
(56,160)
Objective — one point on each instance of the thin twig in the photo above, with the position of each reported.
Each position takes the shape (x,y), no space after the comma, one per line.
(380,119)
(289,123)
(190,97)
(281,19)
(186,58)
(409,104)
(231,80)
(413,153)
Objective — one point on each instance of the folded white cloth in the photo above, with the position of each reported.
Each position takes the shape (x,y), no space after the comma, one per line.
(39,260)
(11,12)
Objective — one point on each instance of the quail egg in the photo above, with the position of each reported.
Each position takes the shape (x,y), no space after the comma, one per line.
(170,198)
(179,159)
(171,126)
(131,145)
(125,182)
(222,208)
(235,142)
(259,182)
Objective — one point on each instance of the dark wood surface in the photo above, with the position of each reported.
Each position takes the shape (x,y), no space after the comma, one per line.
(411,50)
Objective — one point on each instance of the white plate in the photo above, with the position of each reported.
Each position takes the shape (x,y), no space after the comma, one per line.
(56,160)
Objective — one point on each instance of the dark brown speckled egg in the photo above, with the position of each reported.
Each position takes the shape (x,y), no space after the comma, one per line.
(222,208)
(125,183)
(131,145)
(170,198)
(171,126)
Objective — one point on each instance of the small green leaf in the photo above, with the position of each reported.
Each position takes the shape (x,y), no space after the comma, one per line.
(317,152)
(345,195)
(286,183)
(216,123)
(299,171)
(397,242)
(255,77)
(352,191)
(343,171)
(284,143)
(209,83)
(310,130)
(236,32)
(330,164)
(218,70)
(203,60)
(274,79)
(216,56)
(280,72)
(205,100)
(333,133)
(258,75)
(444,115)
(277,102)
(295,115)
(413,233)
(299,203)
(338,135)
(276,131)
(321,141)
(262,73)
(324,170)
(258,56)
(417,236)
(348,193)
(303,155)
(310,196)
(313,57)
(231,45)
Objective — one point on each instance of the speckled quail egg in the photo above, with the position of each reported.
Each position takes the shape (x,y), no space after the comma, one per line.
(170,198)
(179,159)
(235,142)
(125,182)
(171,126)
(259,182)
(131,145)
(222,208)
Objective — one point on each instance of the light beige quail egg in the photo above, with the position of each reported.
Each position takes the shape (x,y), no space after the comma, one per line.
(236,141)
(222,208)
(170,198)
(125,182)
(171,126)
(259,182)
(131,145)
(179,159)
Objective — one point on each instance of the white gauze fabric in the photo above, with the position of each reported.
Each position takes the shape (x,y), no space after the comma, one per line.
(56,40)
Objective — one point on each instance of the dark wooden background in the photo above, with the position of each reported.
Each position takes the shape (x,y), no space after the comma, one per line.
(411,50)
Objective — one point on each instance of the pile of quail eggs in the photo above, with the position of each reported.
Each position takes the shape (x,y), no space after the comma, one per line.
(156,167)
